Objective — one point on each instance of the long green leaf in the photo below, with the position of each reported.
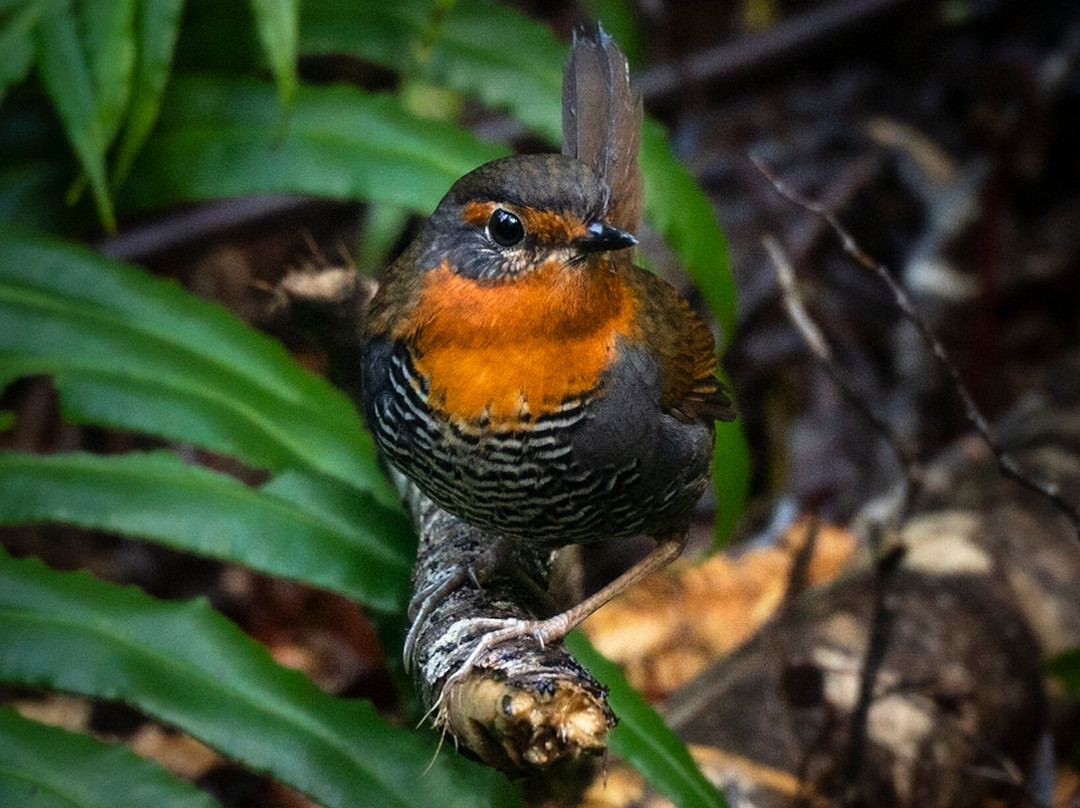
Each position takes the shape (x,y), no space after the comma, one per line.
(127,350)
(219,137)
(108,38)
(276,21)
(46,767)
(17,41)
(481,48)
(69,81)
(383,33)
(300,528)
(731,479)
(188,666)
(642,738)
(506,60)
(157,26)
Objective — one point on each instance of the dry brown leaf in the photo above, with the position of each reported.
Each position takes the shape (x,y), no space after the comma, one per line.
(666,630)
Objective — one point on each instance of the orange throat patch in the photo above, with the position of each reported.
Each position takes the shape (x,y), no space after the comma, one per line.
(513,350)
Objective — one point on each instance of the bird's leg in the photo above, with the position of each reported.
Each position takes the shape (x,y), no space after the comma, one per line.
(555,628)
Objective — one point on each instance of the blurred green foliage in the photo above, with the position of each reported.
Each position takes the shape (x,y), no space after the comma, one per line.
(116,108)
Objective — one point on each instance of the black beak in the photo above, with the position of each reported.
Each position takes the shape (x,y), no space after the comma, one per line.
(602,237)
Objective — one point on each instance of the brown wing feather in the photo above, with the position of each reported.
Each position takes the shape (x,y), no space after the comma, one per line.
(685,349)
(706,400)
(602,118)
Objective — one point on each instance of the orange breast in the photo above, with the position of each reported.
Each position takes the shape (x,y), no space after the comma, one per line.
(519,346)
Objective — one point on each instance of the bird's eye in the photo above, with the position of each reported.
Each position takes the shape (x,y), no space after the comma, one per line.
(505,228)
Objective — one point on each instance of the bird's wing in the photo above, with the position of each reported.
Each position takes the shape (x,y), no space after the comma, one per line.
(602,118)
(684,348)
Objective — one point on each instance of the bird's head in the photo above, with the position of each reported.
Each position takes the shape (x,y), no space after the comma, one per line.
(518,214)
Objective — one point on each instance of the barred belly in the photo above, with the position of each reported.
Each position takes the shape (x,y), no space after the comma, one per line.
(524,483)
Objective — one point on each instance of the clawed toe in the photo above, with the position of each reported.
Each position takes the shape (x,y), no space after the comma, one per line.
(424,602)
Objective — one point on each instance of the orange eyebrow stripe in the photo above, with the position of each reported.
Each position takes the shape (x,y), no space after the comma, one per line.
(478,213)
(552,228)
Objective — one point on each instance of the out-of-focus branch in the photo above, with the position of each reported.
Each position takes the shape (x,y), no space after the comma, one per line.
(881,619)
(815,341)
(1004,460)
(858,745)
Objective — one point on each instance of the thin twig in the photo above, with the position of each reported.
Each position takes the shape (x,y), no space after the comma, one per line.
(881,618)
(1005,461)
(799,575)
(877,644)
(819,347)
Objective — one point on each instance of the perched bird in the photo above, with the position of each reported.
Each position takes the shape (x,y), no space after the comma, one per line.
(524,373)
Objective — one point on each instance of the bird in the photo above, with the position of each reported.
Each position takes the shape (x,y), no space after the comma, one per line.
(524,373)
